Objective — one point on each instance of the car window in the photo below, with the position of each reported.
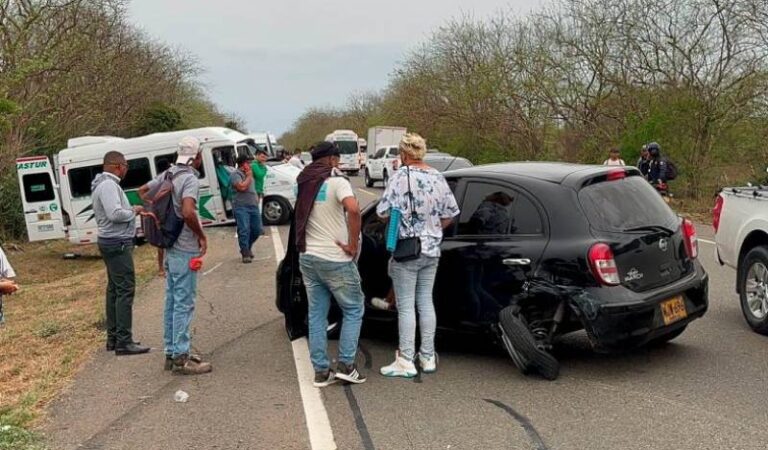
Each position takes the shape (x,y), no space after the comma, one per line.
(163,162)
(615,205)
(379,153)
(394,151)
(80,179)
(491,210)
(38,187)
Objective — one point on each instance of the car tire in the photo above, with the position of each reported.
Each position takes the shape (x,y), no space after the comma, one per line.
(368,180)
(276,211)
(662,340)
(522,348)
(753,288)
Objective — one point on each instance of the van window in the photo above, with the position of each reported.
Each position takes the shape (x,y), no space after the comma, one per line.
(138,174)
(80,179)
(489,209)
(163,162)
(38,188)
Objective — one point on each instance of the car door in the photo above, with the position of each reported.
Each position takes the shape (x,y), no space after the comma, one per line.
(489,252)
(376,164)
(40,199)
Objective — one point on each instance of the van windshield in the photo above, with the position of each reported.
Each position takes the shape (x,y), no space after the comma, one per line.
(347,147)
(619,205)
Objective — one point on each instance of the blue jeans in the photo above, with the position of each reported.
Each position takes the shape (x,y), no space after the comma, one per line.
(413,282)
(249,228)
(341,280)
(180,289)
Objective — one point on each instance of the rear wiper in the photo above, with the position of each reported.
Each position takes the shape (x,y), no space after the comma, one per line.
(649,228)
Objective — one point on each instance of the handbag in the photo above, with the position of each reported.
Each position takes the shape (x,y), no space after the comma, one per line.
(409,248)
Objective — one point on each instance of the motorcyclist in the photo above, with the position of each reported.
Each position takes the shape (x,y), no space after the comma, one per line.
(657,165)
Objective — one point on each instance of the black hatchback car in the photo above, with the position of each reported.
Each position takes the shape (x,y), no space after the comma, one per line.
(540,250)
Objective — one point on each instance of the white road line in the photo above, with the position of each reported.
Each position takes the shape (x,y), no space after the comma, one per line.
(368,192)
(213,268)
(707,241)
(318,424)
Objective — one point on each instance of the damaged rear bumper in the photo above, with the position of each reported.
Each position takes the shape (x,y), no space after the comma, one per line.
(638,318)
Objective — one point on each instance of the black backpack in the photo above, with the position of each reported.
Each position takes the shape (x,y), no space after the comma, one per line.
(671,170)
(161,225)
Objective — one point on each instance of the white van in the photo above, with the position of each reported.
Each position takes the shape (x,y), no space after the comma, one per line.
(349,148)
(57,197)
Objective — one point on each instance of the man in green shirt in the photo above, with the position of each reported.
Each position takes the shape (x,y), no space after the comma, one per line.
(259,168)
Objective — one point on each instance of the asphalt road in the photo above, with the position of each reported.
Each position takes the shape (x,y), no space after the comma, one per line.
(705,390)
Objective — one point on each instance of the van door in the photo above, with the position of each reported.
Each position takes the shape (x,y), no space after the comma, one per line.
(40,199)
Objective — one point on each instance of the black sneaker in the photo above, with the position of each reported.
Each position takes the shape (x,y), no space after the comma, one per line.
(349,373)
(324,378)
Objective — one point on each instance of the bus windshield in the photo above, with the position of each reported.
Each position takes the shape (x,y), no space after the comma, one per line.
(347,147)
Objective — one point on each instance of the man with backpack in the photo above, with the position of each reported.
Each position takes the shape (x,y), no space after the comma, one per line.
(181,233)
(116,221)
(660,169)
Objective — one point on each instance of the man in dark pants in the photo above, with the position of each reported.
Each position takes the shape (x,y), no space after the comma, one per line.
(245,203)
(116,220)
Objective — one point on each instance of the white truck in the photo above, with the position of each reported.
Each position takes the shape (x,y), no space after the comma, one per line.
(56,196)
(346,141)
(382,158)
(740,219)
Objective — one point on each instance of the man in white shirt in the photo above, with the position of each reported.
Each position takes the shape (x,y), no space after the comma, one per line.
(296,160)
(614,159)
(327,237)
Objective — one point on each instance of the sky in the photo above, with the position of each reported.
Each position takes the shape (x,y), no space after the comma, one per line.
(268,61)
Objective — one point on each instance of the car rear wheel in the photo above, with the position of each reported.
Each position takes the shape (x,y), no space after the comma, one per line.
(753,289)
(522,348)
(368,181)
(276,211)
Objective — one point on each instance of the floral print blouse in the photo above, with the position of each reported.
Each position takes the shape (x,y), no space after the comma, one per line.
(432,201)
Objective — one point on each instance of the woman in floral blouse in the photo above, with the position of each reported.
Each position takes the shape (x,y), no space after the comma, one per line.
(432,209)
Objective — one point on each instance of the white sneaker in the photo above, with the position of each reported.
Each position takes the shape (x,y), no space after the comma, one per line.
(400,368)
(379,303)
(428,363)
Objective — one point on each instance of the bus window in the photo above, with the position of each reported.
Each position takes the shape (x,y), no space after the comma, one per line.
(138,174)
(163,162)
(80,179)
(224,155)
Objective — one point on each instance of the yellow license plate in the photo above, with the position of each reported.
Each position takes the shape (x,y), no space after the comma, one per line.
(44,216)
(673,310)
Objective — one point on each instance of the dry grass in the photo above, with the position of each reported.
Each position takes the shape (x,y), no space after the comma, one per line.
(53,324)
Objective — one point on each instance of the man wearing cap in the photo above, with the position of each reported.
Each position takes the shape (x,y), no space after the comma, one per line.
(181,280)
(327,232)
(246,207)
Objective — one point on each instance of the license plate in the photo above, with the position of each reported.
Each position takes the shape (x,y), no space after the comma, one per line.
(673,310)
(44,228)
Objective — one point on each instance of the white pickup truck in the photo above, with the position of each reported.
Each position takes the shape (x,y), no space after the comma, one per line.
(382,164)
(740,219)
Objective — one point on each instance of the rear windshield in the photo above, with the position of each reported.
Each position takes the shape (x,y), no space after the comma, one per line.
(622,204)
(444,164)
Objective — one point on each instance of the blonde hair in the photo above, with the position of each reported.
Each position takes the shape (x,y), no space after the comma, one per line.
(413,145)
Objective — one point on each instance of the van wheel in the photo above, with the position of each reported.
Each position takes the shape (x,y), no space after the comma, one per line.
(276,211)
(368,181)
(753,289)
(522,348)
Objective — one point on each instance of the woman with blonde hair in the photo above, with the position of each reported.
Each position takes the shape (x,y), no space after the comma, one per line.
(426,206)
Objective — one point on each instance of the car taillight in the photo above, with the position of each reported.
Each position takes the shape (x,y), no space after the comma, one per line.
(603,265)
(691,239)
(716,211)
(616,174)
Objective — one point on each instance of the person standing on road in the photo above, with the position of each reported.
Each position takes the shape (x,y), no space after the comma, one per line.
(181,279)
(259,169)
(7,285)
(327,240)
(116,221)
(296,160)
(657,165)
(246,207)
(642,161)
(614,158)
(428,206)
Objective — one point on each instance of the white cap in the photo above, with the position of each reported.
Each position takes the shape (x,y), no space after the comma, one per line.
(189,147)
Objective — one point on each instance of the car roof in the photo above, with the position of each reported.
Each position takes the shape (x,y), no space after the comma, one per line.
(552,172)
